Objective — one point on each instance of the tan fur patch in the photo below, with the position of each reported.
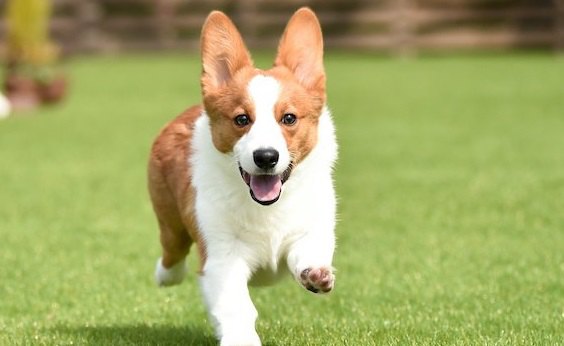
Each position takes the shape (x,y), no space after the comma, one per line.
(223,104)
(306,105)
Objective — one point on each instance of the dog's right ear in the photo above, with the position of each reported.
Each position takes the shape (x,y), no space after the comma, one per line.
(223,51)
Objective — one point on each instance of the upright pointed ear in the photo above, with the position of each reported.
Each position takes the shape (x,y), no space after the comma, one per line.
(223,51)
(301,49)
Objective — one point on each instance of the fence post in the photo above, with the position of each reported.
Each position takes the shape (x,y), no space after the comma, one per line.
(164,17)
(247,16)
(403,29)
(559,25)
(89,16)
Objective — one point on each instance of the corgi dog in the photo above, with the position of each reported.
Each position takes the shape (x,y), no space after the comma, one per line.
(247,176)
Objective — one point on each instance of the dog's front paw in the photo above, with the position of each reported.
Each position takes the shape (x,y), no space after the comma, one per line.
(317,279)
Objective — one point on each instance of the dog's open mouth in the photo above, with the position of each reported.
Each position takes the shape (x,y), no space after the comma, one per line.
(265,188)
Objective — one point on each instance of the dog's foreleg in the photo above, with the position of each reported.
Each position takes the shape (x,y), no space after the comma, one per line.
(310,258)
(224,285)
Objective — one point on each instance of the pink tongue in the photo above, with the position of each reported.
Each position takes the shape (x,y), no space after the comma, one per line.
(266,187)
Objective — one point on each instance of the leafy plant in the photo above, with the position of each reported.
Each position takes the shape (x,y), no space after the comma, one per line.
(32,76)
(28,34)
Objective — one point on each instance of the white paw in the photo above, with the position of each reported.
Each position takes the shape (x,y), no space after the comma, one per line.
(171,276)
(240,339)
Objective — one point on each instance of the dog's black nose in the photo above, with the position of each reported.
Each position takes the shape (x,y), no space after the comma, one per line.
(266,158)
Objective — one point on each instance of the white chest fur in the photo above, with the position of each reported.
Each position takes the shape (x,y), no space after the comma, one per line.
(232,223)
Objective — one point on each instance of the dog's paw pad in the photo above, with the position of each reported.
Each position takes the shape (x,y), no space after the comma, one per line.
(317,280)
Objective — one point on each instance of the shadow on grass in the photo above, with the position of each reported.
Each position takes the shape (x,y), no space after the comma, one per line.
(136,335)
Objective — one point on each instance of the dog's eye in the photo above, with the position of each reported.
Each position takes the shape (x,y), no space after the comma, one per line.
(242,120)
(289,119)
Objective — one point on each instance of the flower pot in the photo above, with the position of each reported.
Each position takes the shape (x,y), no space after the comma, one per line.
(22,92)
(53,90)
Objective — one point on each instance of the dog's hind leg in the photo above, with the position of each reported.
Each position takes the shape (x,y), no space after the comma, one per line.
(171,267)
(175,240)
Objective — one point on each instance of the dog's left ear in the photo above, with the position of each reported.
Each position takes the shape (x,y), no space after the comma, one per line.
(301,50)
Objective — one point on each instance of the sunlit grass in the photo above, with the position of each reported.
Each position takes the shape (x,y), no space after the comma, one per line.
(451,186)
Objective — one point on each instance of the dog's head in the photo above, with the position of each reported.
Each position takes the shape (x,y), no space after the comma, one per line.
(266,119)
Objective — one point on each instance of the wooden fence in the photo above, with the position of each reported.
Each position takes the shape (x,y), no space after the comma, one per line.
(399,26)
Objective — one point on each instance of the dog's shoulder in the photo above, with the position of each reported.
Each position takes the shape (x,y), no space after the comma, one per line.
(173,142)
(171,149)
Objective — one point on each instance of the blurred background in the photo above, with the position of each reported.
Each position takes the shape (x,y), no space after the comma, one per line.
(37,33)
(396,27)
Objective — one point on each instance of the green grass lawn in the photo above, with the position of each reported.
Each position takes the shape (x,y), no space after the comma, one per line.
(451,232)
